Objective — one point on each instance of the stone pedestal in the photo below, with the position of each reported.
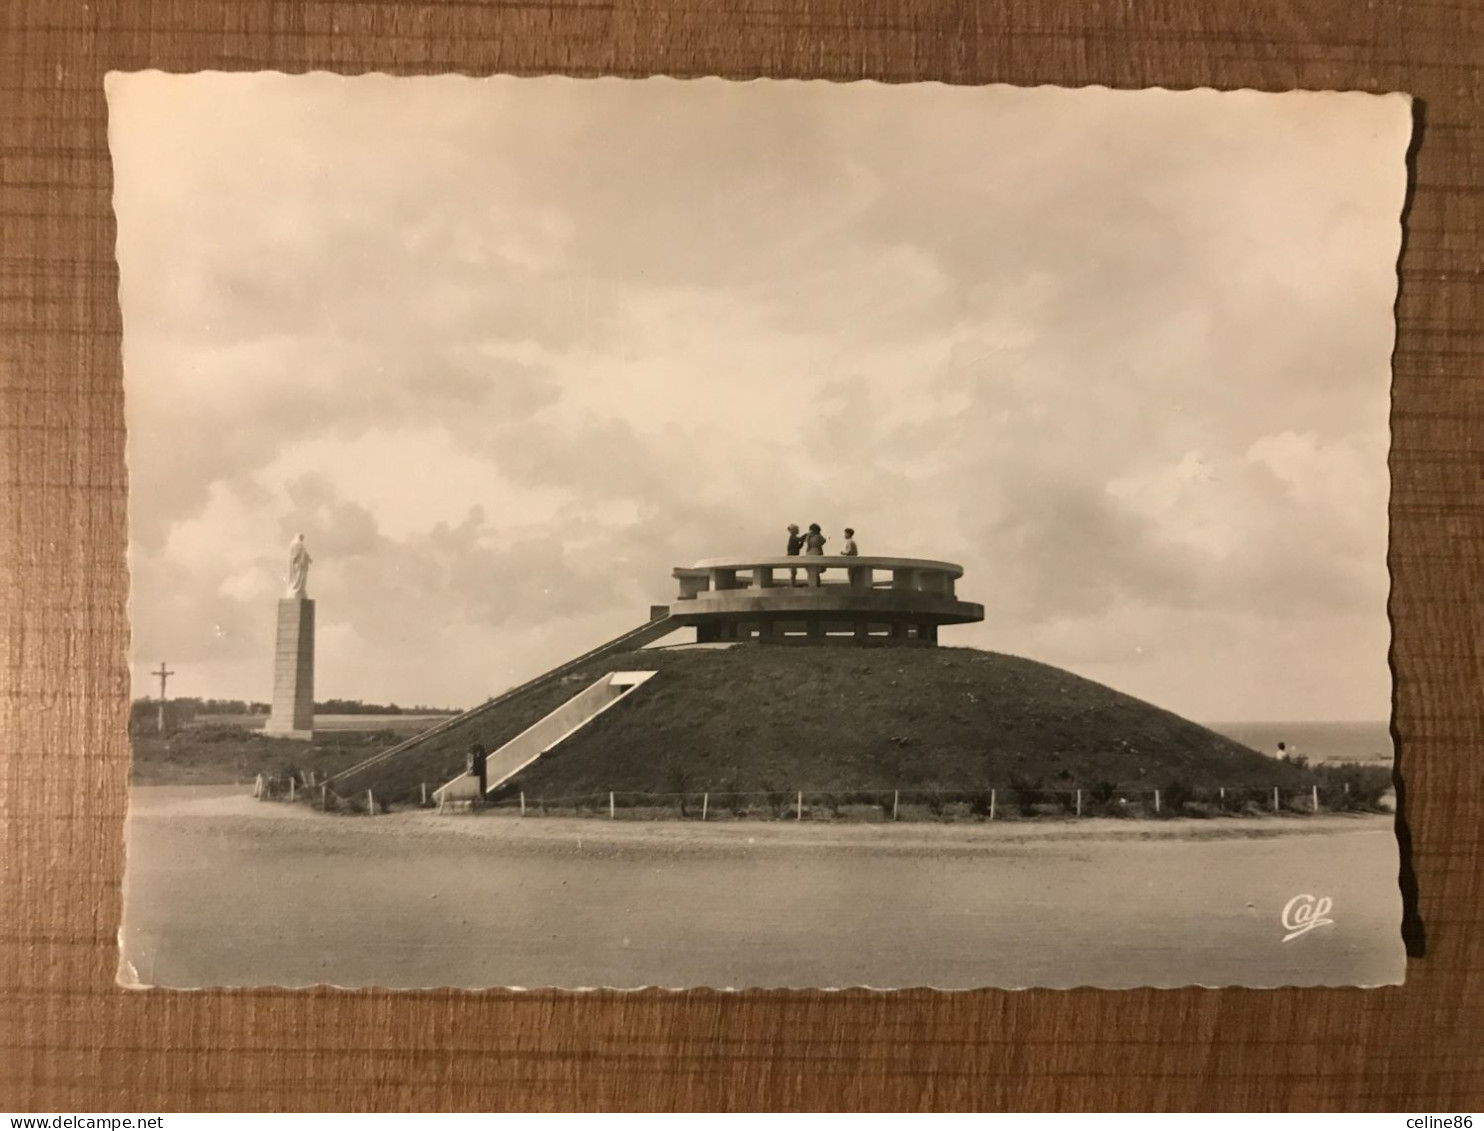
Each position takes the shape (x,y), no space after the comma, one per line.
(293,671)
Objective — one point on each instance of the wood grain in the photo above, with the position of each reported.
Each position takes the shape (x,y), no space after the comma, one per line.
(71,1041)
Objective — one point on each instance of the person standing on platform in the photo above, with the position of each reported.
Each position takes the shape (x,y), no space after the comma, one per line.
(795,544)
(860,578)
(814,547)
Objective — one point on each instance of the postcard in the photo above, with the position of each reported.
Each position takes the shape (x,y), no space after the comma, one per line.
(648,533)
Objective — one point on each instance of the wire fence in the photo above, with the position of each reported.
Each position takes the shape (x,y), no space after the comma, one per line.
(1343,793)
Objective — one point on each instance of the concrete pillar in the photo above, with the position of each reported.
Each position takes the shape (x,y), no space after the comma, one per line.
(762,577)
(899,630)
(293,671)
(860,577)
(904,579)
(765,630)
(928,631)
(723,579)
(862,630)
(816,630)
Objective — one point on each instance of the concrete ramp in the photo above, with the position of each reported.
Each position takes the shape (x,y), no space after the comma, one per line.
(503,764)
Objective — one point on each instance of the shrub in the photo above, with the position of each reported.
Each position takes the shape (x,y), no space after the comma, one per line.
(1229,799)
(219,732)
(778,799)
(1025,794)
(1102,798)
(678,780)
(1353,787)
(1174,798)
(731,799)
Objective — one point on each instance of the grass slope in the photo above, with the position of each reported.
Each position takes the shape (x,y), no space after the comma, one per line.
(221,755)
(843,717)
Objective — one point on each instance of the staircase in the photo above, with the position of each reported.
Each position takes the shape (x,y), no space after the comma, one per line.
(503,764)
(635,638)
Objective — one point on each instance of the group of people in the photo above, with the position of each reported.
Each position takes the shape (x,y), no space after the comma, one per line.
(812,544)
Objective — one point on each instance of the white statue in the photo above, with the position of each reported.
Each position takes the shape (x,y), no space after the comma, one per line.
(299,560)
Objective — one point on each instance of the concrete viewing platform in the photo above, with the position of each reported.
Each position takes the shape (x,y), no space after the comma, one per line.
(813,597)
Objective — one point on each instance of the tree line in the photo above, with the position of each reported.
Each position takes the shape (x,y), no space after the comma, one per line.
(184,710)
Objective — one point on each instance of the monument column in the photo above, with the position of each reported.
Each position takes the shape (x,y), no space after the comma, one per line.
(293,655)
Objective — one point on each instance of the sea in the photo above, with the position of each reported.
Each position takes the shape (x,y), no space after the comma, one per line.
(1319,742)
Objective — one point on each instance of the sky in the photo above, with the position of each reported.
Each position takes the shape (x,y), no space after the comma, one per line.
(507,351)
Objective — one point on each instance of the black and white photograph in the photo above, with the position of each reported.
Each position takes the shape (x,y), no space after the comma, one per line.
(618,533)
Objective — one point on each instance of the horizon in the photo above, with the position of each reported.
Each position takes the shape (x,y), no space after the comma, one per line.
(453,709)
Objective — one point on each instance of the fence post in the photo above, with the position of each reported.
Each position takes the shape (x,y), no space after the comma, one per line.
(1275,799)
(522,803)
(257,787)
(705,804)
(611,806)
(1315,788)
(896,797)
(800,811)
(1079,803)
(991,804)
(1347,789)
(370,804)
(1156,801)
(425,792)
(291,787)
(324,797)
(1223,793)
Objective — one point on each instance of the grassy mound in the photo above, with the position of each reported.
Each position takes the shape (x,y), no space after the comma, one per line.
(768,717)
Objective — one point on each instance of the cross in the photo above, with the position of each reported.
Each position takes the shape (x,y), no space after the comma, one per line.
(164,675)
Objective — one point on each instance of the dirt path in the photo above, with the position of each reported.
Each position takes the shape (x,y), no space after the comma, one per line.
(234,804)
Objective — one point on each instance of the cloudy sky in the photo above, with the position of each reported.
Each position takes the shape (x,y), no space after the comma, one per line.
(509,350)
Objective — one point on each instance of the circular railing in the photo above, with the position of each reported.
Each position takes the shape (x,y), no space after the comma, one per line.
(713,576)
(816,595)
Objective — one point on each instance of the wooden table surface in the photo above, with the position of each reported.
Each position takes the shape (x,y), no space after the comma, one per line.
(71,1041)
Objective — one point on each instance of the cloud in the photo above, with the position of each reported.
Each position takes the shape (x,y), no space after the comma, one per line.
(508,350)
